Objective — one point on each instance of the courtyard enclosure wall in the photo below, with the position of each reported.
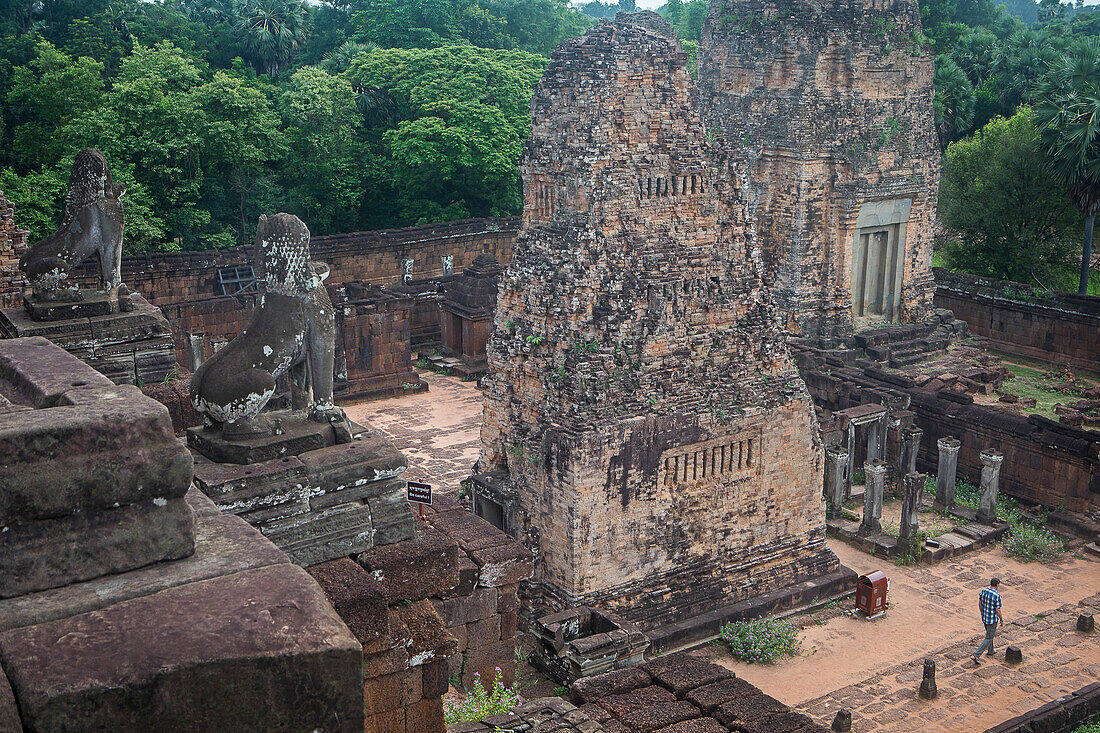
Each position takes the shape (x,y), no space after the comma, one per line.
(1059,327)
(830,105)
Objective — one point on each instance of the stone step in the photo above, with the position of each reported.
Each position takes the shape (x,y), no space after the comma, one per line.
(1093,548)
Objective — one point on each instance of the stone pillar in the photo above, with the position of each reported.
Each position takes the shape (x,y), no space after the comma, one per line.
(196,349)
(910,445)
(842,721)
(991,474)
(851,453)
(876,438)
(945,473)
(837,478)
(875,471)
(912,489)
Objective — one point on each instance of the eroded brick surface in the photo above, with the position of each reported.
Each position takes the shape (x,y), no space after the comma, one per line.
(830,104)
(644,426)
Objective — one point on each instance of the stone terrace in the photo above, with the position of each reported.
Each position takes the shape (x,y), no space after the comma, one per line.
(438,430)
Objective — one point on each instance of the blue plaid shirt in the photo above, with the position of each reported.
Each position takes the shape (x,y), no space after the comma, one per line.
(989,601)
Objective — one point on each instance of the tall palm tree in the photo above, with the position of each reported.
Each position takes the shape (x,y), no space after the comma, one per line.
(953,105)
(272,30)
(1068,113)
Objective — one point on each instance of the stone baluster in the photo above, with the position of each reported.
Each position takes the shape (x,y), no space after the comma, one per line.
(945,473)
(912,489)
(837,478)
(875,470)
(991,475)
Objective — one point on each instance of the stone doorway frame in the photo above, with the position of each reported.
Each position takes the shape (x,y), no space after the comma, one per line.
(877,251)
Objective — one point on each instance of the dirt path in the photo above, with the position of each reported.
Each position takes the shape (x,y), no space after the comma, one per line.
(933,612)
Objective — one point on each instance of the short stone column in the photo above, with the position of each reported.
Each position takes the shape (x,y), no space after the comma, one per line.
(912,490)
(875,470)
(928,689)
(945,473)
(837,478)
(842,721)
(991,476)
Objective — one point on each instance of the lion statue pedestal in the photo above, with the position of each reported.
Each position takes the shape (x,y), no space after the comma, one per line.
(112,330)
(316,484)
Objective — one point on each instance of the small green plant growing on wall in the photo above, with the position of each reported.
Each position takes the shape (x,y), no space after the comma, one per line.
(534,340)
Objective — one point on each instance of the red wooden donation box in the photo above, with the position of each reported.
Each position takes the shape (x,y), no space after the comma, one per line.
(871,593)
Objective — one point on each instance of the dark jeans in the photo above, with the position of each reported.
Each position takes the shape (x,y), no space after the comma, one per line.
(987,643)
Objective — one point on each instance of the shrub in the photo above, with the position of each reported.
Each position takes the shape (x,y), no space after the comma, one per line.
(1028,543)
(761,640)
(481,703)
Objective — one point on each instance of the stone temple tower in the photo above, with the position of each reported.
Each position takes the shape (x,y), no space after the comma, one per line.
(645,430)
(830,104)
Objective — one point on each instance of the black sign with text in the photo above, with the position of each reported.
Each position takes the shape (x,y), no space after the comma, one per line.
(419,493)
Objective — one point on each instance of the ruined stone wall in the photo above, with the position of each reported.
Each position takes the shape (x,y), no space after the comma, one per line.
(1044,462)
(1059,327)
(372,330)
(644,430)
(376,257)
(830,105)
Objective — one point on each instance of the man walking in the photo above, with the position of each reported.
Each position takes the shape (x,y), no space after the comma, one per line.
(989,604)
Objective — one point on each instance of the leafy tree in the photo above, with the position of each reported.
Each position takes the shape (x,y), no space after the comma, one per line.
(241,140)
(1007,216)
(462,115)
(323,165)
(46,94)
(1068,113)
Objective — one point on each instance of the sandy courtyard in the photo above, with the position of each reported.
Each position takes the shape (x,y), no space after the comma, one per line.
(870,667)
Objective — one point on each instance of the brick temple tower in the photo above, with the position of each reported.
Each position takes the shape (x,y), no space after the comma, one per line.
(645,430)
(830,104)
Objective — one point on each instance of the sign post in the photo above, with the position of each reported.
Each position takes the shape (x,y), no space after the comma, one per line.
(419,493)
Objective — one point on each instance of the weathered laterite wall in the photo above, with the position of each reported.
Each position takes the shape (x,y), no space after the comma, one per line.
(375,257)
(643,409)
(830,104)
(1057,327)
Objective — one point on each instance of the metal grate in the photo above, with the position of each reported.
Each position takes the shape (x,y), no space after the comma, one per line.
(234,280)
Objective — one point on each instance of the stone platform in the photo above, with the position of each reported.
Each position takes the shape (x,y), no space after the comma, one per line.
(694,629)
(127,601)
(133,347)
(314,498)
(94,478)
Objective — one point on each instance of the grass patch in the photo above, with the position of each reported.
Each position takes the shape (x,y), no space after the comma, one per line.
(762,640)
(1008,509)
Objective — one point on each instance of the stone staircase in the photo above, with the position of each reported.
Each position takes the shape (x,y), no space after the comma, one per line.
(910,343)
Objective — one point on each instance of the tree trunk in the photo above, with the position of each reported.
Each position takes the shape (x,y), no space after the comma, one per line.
(1086,255)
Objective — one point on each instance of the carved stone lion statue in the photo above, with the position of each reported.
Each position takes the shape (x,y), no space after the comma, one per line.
(93,224)
(292,332)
